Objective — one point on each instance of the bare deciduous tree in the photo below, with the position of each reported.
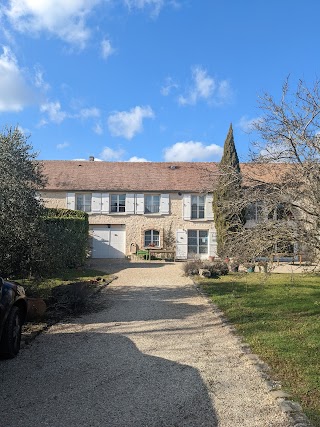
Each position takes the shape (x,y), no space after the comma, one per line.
(282,183)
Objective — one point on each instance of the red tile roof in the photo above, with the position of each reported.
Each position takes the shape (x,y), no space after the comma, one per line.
(68,175)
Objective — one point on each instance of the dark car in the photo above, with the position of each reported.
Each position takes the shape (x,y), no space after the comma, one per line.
(13,312)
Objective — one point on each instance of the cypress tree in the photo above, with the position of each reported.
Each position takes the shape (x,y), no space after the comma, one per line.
(227,191)
(230,156)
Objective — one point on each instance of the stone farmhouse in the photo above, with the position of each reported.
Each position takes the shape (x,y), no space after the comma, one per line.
(134,206)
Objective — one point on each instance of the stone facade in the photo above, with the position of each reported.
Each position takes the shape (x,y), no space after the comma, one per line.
(136,225)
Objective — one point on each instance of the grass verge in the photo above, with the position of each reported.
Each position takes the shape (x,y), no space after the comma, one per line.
(44,286)
(69,293)
(279,316)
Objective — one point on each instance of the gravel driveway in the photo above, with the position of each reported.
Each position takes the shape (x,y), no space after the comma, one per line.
(156,355)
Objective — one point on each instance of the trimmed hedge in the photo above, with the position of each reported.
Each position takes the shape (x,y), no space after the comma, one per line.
(66,233)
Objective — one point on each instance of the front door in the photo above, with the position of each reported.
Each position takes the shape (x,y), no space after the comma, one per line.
(198,244)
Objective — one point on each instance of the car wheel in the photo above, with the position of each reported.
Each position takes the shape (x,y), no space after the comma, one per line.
(11,336)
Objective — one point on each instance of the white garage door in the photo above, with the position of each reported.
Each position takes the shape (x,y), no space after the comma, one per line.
(108,241)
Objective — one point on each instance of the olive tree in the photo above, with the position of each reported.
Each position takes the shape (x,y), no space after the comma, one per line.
(20,207)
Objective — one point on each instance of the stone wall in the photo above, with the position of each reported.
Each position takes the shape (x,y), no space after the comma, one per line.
(137,224)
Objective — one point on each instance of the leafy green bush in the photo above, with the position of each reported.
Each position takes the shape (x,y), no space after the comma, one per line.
(66,240)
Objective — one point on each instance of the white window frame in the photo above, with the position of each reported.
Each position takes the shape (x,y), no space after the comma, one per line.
(152,238)
(85,206)
(280,213)
(123,206)
(257,210)
(152,204)
(200,203)
(198,245)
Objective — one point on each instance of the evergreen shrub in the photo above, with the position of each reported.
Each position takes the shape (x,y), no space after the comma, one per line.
(66,233)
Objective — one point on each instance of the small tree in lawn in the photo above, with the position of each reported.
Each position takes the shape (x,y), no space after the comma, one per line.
(20,208)
(228,189)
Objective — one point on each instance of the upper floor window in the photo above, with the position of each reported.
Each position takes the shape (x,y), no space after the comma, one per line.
(197,207)
(152,238)
(152,204)
(254,212)
(282,211)
(118,202)
(83,202)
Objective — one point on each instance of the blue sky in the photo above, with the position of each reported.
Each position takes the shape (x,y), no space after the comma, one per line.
(156,80)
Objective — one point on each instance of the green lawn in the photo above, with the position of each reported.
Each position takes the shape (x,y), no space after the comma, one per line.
(43,287)
(279,316)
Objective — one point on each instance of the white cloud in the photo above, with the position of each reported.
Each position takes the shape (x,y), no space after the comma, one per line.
(39,80)
(247,125)
(108,154)
(192,150)
(64,19)
(56,115)
(86,113)
(128,123)
(169,85)
(205,87)
(15,94)
(137,159)
(63,145)
(154,5)
(24,131)
(202,87)
(106,49)
(224,92)
(54,112)
(97,128)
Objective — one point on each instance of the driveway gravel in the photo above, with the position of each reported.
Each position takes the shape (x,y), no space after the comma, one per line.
(156,355)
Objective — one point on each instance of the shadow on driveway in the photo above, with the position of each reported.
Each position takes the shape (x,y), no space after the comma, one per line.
(140,303)
(98,379)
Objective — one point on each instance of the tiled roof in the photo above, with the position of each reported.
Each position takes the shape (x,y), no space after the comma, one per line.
(67,175)
(129,176)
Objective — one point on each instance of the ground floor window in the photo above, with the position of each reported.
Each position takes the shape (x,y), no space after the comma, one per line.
(152,238)
(197,242)
(284,247)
